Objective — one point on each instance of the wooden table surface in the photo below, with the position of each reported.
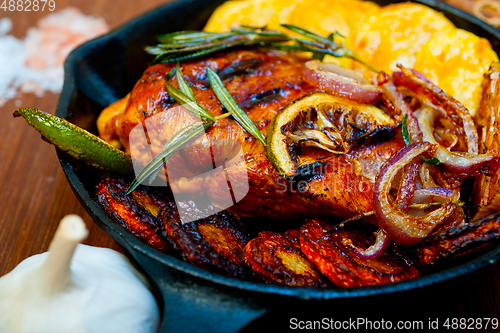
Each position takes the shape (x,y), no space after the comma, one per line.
(35,195)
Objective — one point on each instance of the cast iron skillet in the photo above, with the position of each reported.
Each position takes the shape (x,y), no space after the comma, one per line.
(194,299)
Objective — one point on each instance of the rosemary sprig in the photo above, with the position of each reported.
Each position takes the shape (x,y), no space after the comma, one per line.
(185,96)
(176,142)
(183,45)
(190,104)
(230,104)
(183,85)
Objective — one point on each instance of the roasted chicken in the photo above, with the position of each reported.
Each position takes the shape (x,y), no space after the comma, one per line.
(262,82)
(389,154)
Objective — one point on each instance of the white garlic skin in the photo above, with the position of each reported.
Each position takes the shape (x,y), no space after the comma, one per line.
(105,294)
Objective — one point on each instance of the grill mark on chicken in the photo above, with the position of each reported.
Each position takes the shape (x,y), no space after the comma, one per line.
(260,98)
(243,67)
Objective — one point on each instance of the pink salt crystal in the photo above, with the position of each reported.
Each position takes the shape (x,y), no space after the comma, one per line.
(43,51)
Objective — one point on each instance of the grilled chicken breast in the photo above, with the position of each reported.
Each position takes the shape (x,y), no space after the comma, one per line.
(262,83)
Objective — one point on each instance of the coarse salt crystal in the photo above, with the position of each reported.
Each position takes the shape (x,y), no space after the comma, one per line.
(35,64)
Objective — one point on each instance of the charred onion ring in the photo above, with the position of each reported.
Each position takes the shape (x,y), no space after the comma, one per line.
(382,240)
(426,195)
(463,163)
(456,112)
(403,228)
(341,82)
(401,107)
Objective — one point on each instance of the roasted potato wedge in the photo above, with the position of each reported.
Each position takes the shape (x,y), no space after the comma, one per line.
(276,257)
(136,212)
(216,241)
(341,265)
(394,34)
(257,13)
(455,60)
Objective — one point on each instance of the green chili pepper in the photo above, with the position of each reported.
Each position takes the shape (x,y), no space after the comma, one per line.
(77,142)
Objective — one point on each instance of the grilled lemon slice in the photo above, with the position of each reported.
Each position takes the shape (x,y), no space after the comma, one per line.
(319,122)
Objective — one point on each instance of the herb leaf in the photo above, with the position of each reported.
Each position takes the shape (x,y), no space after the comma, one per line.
(307,33)
(230,104)
(431,161)
(170,74)
(184,96)
(189,103)
(183,85)
(183,45)
(404,130)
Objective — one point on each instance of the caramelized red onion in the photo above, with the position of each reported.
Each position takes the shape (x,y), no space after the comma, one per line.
(455,111)
(403,228)
(382,240)
(427,195)
(461,163)
(341,82)
(407,185)
(402,107)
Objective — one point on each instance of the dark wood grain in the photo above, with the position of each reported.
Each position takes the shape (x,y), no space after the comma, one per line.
(35,195)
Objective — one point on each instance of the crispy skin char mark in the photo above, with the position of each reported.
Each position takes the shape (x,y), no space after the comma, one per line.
(261,98)
(244,67)
(215,242)
(323,245)
(276,258)
(485,196)
(135,213)
(456,241)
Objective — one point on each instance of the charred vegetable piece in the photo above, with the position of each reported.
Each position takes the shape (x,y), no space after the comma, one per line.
(293,232)
(77,142)
(276,257)
(405,229)
(457,240)
(216,241)
(330,251)
(323,121)
(486,195)
(136,212)
(183,45)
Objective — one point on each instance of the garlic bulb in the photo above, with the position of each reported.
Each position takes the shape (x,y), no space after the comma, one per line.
(76,288)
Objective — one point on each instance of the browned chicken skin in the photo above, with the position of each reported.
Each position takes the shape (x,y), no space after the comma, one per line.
(261,82)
